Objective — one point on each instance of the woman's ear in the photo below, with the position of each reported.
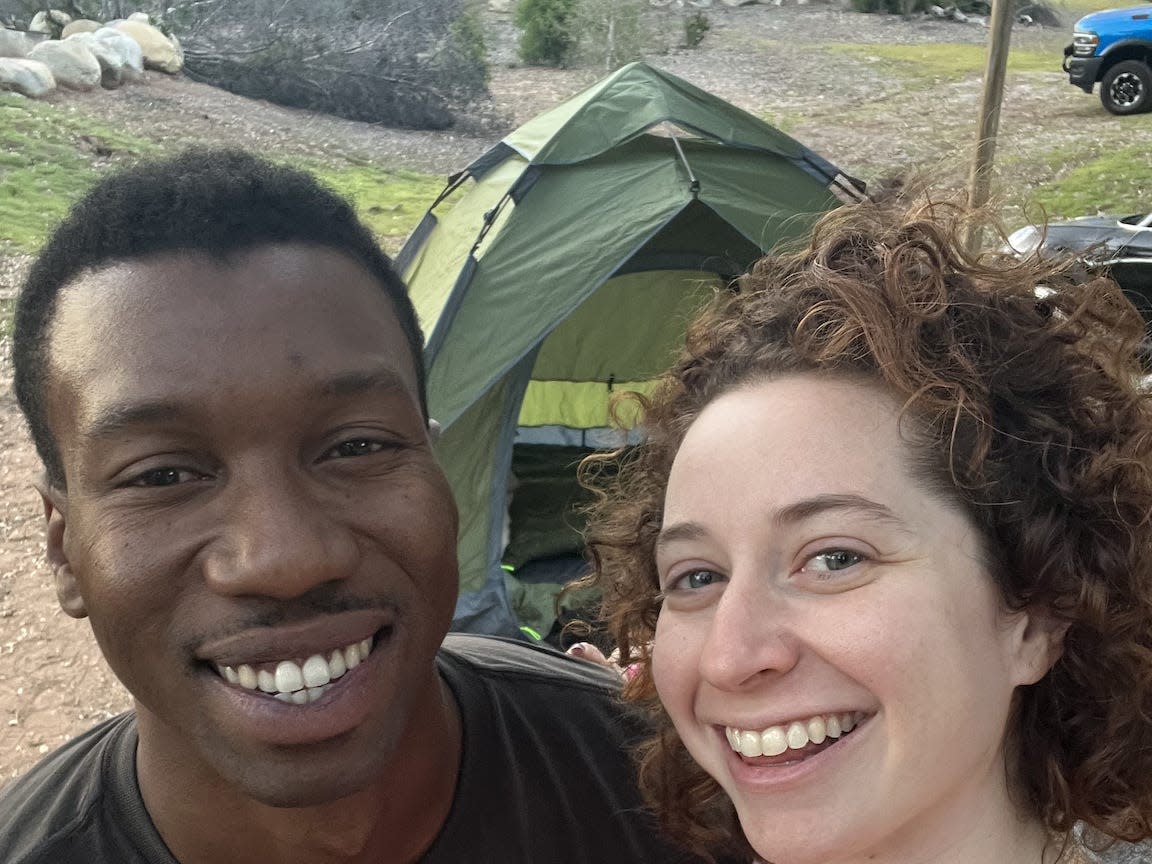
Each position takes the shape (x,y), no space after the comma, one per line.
(56,525)
(1038,642)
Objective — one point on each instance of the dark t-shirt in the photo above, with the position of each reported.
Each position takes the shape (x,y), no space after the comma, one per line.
(546,775)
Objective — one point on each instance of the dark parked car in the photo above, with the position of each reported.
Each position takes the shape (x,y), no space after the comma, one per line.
(1118,246)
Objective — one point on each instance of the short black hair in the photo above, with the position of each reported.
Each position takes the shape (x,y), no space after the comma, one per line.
(213,200)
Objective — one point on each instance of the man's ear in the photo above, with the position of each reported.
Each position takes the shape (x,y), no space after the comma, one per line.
(56,522)
(1038,642)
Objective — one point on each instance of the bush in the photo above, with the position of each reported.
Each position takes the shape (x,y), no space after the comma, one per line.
(610,33)
(695,26)
(895,7)
(549,35)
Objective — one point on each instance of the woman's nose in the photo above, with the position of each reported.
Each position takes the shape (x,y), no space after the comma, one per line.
(749,635)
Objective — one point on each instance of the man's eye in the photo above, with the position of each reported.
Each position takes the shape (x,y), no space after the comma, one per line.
(832,561)
(356,447)
(163,477)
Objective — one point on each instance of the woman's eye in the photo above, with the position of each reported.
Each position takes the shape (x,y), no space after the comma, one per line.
(696,579)
(832,560)
(356,447)
(156,477)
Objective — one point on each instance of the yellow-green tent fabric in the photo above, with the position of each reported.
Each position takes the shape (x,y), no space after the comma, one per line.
(564,264)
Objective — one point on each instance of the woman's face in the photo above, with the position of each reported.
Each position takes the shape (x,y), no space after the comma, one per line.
(830,647)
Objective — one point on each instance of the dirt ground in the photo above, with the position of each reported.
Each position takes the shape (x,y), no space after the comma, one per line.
(853,111)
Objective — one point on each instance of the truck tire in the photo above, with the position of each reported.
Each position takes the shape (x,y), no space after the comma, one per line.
(1126,88)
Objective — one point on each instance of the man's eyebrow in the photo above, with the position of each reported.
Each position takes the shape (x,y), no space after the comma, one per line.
(354,383)
(114,419)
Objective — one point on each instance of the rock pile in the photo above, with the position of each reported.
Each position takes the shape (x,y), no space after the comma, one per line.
(59,52)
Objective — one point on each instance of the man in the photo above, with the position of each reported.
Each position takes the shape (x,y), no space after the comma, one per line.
(222,375)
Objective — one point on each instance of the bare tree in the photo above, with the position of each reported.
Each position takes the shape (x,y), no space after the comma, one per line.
(399,62)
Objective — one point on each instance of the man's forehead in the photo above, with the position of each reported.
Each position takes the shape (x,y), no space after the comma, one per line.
(257,286)
(178,314)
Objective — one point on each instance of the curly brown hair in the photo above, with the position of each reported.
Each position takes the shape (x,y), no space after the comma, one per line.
(1025,380)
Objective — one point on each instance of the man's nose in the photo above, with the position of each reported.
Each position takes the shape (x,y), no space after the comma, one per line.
(282,537)
(750,635)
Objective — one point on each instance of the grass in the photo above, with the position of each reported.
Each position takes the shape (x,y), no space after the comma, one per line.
(1078,8)
(50,157)
(390,202)
(945,60)
(1120,180)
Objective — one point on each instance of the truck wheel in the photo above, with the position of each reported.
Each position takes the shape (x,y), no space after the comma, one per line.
(1126,88)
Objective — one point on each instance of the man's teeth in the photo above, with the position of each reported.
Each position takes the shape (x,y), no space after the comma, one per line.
(793,736)
(295,682)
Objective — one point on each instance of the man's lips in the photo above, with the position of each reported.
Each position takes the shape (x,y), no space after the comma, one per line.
(321,635)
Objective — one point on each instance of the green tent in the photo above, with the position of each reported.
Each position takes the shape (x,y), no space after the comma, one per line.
(564,263)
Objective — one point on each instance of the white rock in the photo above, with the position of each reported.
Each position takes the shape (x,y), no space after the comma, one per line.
(159,52)
(500,6)
(16,43)
(80,25)
(27,77)
(50,21)
(72,65)
(129,50)
(140,16)
(111,61)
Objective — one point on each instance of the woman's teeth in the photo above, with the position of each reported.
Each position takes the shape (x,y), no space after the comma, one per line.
(298,682)
(793,736)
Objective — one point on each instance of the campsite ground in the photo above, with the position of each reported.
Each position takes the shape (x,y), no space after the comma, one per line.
(874,94)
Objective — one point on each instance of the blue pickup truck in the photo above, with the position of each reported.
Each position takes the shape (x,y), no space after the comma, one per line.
(1114,48)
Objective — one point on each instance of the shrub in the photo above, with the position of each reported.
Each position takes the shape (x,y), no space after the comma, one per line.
(549,34)
(696,25)
(610,32)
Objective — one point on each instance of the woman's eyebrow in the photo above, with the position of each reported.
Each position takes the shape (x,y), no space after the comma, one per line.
(809,507)
(679,531)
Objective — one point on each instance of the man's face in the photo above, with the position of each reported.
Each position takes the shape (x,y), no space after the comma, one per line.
(252,506)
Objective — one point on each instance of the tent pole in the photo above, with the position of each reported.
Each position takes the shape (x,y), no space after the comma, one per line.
(694,186)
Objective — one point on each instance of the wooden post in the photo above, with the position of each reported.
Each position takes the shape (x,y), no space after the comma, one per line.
(979,182)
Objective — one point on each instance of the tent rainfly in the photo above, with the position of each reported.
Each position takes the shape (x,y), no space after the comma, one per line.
(564,264)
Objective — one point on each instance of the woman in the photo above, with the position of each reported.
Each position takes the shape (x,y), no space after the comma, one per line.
(882,569)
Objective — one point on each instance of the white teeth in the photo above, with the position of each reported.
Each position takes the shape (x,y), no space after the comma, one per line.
(794,736)
(817,731)
(266,681)
(247,676)
(797,736)
(773,741)
(289,678)
(300,683)
(315,671)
